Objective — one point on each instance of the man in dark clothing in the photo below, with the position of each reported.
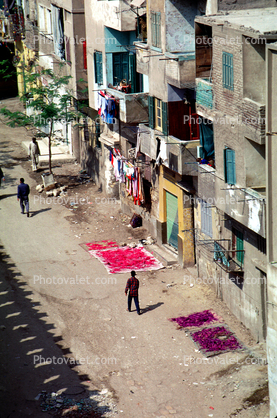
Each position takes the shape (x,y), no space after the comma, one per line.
(132,285)
(23,191)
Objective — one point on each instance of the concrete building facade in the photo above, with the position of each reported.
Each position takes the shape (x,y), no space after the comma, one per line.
(231,96)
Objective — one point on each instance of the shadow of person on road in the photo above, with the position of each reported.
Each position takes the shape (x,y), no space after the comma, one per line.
(4,196)
(150,307)
(36,212)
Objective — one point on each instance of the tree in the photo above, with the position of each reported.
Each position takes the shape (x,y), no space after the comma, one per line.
(48,102)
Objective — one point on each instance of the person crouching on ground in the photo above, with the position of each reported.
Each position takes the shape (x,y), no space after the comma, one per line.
(132,285)
(34,153)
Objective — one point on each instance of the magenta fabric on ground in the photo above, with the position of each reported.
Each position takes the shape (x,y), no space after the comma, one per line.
(124,259)
(101,245)
(197,319)
(216,339)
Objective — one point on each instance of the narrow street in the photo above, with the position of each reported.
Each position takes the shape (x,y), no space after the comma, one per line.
(135,366)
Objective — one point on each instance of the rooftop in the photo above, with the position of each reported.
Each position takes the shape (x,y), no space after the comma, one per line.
(254,21)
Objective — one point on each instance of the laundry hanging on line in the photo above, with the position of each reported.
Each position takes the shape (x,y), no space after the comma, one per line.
(107,107)
(126,172)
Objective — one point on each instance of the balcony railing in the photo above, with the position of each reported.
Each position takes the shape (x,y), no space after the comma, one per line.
(133,107)
(204,93)
(180,70)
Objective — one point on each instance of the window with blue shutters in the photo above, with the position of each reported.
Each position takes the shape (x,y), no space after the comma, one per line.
(229,166)
(151,110)
(227,71)
(206,218)
(98,67)
(238,246)
(120,68)
(156,29)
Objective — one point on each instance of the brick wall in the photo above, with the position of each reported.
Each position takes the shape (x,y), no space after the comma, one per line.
(253,115)
(227,101)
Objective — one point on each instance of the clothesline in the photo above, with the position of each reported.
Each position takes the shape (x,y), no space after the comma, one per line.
(126,172)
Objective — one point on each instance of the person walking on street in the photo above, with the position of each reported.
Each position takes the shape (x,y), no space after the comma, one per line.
(133,286)
(1,176)
(23,191)
(34,153)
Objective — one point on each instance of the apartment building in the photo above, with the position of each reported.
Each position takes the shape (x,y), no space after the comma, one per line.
(231,215)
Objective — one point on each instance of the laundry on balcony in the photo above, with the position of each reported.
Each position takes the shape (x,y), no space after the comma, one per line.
(107,106)
(126,172)
(206,139)
(219,255)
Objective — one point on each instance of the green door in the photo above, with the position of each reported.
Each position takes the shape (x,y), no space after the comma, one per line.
(172,219)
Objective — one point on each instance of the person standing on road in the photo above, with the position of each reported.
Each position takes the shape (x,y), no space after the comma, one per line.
(23,191)
(1,176)
(34,153)
(133,286)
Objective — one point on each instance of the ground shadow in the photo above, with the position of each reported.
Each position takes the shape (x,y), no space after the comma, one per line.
(28,384)
(36,212)
(151,307)
(4,196)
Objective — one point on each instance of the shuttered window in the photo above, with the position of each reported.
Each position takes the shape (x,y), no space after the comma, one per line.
(230,166)
(120,68)
(151,111)
(227,71)
(164,118)
(158,114)
(98,67)
(206,219)
(156,29)
(238,244)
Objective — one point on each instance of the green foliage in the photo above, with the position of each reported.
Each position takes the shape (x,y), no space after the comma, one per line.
(48,101)
(6,69)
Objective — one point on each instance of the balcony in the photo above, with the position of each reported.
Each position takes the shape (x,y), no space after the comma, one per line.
(253,120)
(180,70)
(133,107)
(180,156)
(247,206)
(204,93)
(118,14)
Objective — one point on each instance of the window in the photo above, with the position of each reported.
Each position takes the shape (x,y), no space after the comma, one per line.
(156,29)
(237,245)
(227,71)
(206,219)
(157,114)
(58,31)
(120,68)
(98,67)
(229,166)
